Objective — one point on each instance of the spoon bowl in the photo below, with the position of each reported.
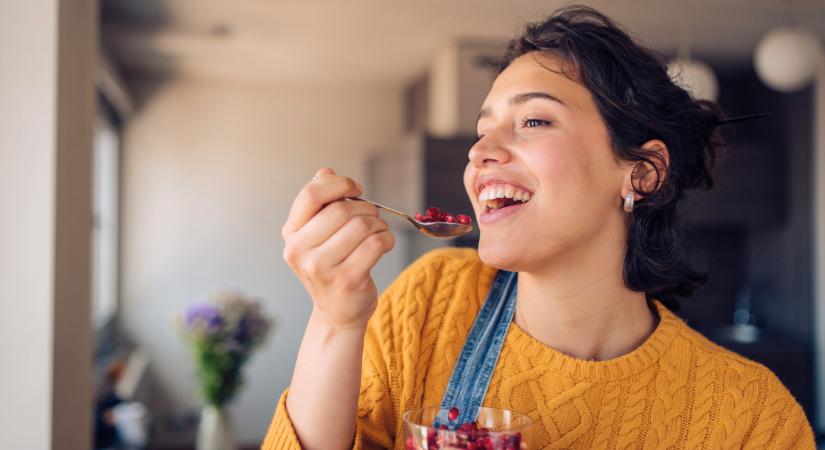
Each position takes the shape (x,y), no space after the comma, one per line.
(439,230)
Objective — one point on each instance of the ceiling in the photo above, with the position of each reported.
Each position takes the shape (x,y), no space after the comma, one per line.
(330,41)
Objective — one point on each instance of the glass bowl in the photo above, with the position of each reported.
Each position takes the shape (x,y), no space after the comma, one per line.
(494,429)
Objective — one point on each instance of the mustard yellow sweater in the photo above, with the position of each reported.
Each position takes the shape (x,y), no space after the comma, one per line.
(677,390)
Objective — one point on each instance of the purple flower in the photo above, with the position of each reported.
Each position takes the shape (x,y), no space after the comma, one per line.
(205,313)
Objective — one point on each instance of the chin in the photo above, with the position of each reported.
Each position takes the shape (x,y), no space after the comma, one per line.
(500,255)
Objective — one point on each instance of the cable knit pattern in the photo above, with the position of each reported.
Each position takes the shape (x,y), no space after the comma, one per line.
(677,390)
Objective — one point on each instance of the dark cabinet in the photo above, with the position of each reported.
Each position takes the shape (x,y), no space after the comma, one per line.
(750,189)
(751,176)
(444,162)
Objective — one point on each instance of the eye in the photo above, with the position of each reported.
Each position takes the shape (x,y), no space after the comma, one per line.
(531,123)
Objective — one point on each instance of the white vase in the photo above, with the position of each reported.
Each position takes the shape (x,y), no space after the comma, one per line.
(215,430)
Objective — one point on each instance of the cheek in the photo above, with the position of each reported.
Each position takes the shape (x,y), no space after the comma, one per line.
(568,173)
(555,162)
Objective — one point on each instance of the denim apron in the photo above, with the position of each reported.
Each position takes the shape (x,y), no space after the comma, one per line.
(471,375)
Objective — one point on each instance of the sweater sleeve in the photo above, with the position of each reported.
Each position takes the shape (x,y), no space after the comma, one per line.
(782,423)
(375,426)
(281,435)
(795,431)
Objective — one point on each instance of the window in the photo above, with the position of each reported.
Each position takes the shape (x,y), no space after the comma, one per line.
(105,208)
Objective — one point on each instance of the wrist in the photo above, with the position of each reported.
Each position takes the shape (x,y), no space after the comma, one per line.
(322,322)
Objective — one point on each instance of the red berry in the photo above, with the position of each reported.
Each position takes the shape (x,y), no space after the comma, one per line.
(449,218)
(453,414)
(419,217)
(463,219)
(432,211)
(442,217)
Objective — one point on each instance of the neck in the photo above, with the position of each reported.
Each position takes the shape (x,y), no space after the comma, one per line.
(583,310)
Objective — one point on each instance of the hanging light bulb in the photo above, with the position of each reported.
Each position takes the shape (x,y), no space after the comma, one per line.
(690,74)
(786,58)
(695,77)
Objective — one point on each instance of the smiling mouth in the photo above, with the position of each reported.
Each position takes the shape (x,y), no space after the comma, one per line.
(502,195)
(500,203)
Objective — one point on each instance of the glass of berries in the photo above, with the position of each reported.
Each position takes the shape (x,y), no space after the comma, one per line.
(493,429)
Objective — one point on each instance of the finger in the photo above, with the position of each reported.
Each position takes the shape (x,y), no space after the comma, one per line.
(332,217)
(317,193)
(323,171)
(366,255)
(348,238)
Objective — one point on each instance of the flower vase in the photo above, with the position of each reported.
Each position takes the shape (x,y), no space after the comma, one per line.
(215,429)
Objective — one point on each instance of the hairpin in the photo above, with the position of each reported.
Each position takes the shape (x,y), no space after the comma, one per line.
(741,118)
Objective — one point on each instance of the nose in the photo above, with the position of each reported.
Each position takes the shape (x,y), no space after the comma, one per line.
(491,148)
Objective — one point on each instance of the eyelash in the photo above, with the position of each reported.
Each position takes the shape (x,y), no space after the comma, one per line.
(526,122)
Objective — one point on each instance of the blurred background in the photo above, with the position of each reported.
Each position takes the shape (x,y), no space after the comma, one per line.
(151,150)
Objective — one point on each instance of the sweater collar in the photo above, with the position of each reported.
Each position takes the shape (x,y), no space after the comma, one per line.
(644,356)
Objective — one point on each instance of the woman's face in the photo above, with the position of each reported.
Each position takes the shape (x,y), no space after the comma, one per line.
(541,133)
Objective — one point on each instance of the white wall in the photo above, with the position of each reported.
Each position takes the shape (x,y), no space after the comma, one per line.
(47,53)
(210,170)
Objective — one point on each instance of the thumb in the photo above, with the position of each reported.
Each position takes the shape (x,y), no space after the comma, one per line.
(324,171)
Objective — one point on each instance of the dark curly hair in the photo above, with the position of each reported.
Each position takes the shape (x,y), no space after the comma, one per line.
(639,102)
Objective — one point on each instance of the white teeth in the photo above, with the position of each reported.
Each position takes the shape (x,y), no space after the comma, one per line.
(503,191)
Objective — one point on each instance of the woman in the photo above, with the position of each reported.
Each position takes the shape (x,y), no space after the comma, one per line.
(586,126)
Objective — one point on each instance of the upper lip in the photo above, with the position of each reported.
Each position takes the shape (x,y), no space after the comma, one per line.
(494,178)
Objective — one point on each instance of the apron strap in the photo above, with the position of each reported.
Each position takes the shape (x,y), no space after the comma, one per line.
(471,375)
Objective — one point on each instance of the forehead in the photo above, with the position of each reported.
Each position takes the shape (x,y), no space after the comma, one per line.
(535,72)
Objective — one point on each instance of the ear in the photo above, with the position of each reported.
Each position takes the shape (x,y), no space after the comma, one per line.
(647,175)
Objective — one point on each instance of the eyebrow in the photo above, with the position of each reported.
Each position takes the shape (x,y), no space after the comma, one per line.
(523,98)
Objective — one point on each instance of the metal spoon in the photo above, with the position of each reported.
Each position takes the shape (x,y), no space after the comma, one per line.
(442,230)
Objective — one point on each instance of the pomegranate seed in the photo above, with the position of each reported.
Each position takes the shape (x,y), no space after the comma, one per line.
(453,414)
(463,219)
(449,218)
(471,446)
(410,444)
(432,211)
(443,427)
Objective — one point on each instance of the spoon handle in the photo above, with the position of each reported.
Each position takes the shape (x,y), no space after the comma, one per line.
(384,207)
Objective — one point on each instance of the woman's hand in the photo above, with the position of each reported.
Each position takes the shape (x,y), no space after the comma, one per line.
(332,244)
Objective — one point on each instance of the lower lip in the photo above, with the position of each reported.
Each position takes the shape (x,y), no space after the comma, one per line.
(496,215)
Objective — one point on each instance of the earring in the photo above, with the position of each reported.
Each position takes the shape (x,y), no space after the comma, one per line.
(628,201)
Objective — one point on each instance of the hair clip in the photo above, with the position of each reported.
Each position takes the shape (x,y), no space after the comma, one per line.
(741,118)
